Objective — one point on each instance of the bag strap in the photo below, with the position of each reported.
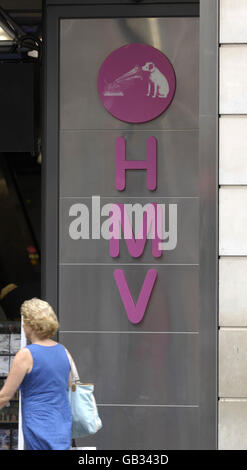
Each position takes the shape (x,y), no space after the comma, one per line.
(74,372)
(75,375)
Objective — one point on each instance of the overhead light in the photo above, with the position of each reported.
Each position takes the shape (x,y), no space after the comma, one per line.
(4,36)
(39,159)
(13,38)
(33,53)
(8,36)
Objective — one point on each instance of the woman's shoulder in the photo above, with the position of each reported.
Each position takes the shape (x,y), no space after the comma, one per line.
(67,352)
(62,345)
(22,351)
(23,355)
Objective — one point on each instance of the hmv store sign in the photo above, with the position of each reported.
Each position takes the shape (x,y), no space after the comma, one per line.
(136,83)
(128,257)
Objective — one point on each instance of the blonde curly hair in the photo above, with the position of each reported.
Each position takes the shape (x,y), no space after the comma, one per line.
(40,316)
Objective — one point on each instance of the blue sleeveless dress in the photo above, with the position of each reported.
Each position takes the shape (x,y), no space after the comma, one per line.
(46,412)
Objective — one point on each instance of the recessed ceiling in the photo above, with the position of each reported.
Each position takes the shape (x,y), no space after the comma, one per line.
(21,4)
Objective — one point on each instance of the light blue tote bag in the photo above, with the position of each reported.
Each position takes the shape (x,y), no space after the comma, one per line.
(85,417)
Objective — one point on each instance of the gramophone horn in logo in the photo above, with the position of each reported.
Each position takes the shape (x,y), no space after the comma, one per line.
(136,83)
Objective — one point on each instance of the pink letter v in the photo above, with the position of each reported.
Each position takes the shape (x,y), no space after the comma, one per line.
(136,312)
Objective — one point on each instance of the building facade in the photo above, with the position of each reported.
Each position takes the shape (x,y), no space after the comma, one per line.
(232,224)
(179,369)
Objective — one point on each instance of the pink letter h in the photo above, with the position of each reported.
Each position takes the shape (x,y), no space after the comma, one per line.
(149,164)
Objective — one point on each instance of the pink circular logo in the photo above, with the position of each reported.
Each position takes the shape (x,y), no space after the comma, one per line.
(136,83)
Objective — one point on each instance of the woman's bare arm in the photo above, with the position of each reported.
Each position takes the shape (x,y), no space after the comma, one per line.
(21,365)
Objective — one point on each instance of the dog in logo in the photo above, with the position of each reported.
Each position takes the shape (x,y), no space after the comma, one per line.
(156,81)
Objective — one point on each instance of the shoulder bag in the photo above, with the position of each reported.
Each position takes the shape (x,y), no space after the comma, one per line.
(85,417)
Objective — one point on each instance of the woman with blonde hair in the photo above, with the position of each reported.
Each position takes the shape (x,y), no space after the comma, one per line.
(42,371)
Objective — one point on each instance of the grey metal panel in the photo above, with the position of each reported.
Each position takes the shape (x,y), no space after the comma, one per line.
(97,251)
(94,151)
(173,304)
(133,428)
(179,428)
(146,362)
(208,245)
(80,107)
(50,174)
